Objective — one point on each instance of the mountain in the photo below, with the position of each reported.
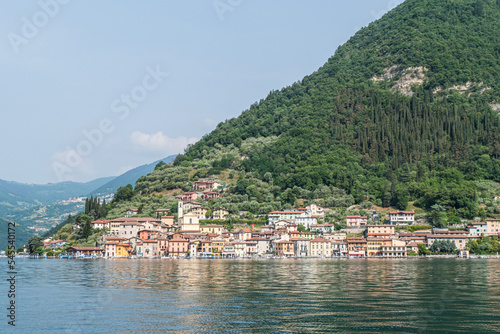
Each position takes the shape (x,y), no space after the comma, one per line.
(404,113)
(129,177)
(14,195)
(22,235)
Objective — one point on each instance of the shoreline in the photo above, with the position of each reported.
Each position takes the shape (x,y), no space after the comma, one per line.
(471,257)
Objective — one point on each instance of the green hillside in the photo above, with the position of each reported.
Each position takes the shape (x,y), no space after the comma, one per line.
(21,232)
(406,110)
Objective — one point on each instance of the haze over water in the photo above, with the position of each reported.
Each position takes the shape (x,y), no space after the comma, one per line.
(262,296)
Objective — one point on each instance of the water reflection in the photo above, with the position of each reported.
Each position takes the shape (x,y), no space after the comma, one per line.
(229,296)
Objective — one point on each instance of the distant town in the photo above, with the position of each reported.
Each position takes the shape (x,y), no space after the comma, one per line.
(289,233)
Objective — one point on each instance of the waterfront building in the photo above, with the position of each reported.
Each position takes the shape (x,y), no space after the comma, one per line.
(396,249)
(85,251)
(178,246)
(262,245)
(339,248)
(356,246)
(284,248)
(460,240)
(320,247)
(374,245)
(123,250)
(301,246)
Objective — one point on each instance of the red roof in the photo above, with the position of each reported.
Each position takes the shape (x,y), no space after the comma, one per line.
(357,217)
(396,212)
(285,212)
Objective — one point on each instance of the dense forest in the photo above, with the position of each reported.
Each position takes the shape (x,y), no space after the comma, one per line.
(405,112)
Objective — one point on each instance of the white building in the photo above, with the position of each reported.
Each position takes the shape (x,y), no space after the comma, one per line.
(402,217)
(306,221)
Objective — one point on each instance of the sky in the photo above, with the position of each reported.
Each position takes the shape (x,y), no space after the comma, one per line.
(94,88)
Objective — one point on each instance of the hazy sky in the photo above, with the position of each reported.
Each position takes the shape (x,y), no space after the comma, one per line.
(93,88)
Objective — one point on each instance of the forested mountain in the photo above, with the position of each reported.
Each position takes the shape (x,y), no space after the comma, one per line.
(406,110)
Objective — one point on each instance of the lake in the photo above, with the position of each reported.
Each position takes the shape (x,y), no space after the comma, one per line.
(255,296)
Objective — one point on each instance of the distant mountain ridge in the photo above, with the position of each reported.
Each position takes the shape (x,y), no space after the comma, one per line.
(15,194)
(129,177)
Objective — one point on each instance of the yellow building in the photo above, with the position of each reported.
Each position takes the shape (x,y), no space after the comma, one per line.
(123,250)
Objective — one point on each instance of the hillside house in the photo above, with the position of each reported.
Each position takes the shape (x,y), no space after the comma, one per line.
(402,217)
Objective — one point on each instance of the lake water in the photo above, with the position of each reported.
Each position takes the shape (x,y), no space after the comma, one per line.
(262,296)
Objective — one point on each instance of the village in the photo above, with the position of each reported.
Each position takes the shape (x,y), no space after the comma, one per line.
(289,233)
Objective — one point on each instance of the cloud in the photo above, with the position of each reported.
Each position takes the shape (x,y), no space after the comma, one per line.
(160,143)
(69,165)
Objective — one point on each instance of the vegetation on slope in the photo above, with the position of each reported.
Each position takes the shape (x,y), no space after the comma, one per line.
(401,113)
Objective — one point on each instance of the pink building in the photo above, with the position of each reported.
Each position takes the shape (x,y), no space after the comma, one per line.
(492,226)
(188,196)
(356,221)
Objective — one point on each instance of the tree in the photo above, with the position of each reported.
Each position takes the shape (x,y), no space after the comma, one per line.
(495,247)
(34,243)
(160,165)
(9,251)
(86,230)
(438,216)
(124,193)
(301,228)
(402,197)
(422,249)
(208,213)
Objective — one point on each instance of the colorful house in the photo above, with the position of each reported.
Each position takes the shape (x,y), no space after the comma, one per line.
(356,221)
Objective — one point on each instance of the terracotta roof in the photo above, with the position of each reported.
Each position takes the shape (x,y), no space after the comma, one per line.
(434,236)
(257,239)
(357,217)
(285,212)
(396,212)
(319,240)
